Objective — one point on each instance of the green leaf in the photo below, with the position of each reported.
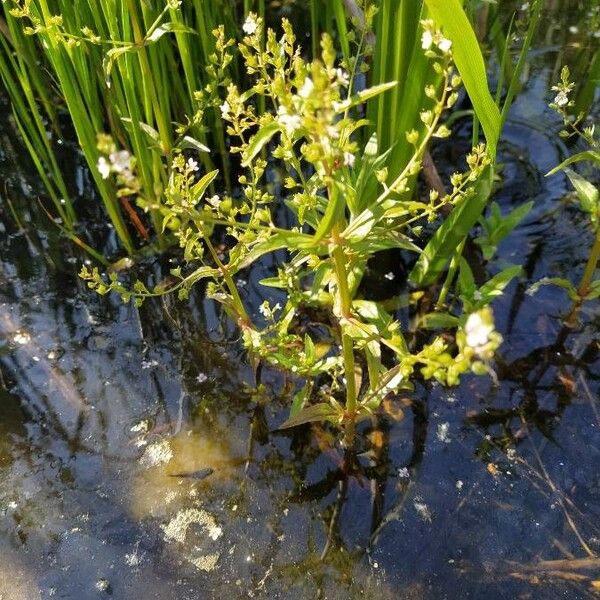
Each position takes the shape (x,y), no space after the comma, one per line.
(300,399)
(495,286)
(390,381)
(310,414)
(260,139)
(189,142)
(594,290)
(558,281)
(309,349)
(149,131)
(167,28)
(439,320)
(198,189)
(586,192)
(274,282)
(277,241)
(365,95)
(466,281)
(450,15)
(112,55)
(451,233)
(587,155)
(333,212)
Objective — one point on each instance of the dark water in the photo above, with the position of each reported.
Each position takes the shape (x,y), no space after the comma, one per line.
(103,409)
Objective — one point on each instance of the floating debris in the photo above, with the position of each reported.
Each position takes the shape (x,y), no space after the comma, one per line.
(422,509)
(149,364)
(157,454)
(205,563)
(442,432)
(103,585)
(404,473)
(141,427)
(21,338)
(176,529)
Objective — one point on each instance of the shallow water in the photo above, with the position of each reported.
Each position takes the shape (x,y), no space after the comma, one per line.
(136,461)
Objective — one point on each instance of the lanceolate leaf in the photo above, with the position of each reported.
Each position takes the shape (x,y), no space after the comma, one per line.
(259,141)
(587,155)
(587,192)
(450,16)
(310,414)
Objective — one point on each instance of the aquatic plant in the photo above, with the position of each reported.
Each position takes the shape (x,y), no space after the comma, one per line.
(132,69)
(588,194)
(347,353)
(150,76)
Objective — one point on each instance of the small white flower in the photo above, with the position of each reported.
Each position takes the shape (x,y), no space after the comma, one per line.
(202,377)
(307,88)
(103,167)
(225,108)
(477,331)
(120,160)
(333,132)
(426,40)
(444,44)
(250,25)
(215,201)
(192,165)
(389,276)
(290,122)
(561,98)
(349,159)
(342,77)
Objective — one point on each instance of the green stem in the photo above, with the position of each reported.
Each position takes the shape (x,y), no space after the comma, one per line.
(590,267)
(450,276)
(238,305)
(345,302)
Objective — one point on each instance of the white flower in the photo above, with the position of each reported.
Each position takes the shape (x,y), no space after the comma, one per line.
(342,77)
(477,331)
(349,159)
(426,40)
(444,44)
(120,160)
(103,167)
(192,165)
(290,122)
(307,88)
(215,201)
(332,132)
(561,98)
(225,108)
(202,377)
(250,25)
